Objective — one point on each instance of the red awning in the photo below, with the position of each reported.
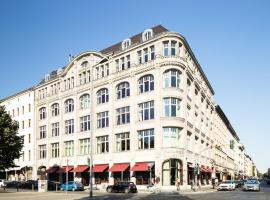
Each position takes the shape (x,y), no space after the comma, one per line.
(81,168)
(119,167)
(52,170)
(203,169)
(140,166)
(100,167)
(65,169)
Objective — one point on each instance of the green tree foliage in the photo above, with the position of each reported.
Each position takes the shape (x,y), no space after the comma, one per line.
(10,143)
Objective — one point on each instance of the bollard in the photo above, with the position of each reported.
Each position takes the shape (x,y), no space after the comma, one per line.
(32,187)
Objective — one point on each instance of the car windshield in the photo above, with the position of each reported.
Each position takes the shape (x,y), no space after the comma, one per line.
(252,182)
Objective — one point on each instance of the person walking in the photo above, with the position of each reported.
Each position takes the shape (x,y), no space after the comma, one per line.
(177,183)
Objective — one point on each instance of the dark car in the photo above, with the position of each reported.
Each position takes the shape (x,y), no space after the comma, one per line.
(124,186)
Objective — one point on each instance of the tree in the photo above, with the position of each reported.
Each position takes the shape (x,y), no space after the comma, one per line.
(10,143)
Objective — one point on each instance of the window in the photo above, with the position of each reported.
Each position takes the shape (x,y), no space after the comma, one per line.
(126,43)
(42,151)
(146,83)
(29,107)
(102,96)
(171,137)
(188,87)
(85,146)
(152,52)
(29,155)
(55,109)
(123,90)
(147,34)
(122,142)
(103,144)
(69,148)
(123,115)
(22,109)
(85,101)
(139,53)
(69,105)
(173,48)
(122,63)
(171,107)
(146,139)
(29,138)
(42,132)
(22,124)
(84,64)
(69,126)
(103,119)
(128,61)
(166,48)
(85,123)
(189,115)
(55,129)
(29,123)
(145,55)
(42,113)
(171,78)
(117,65)
(55,150)
(146,111)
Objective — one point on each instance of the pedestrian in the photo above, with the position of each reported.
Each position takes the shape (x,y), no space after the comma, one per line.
(177,183)
(213,183)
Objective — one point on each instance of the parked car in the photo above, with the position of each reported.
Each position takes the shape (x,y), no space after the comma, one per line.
(72,185)
(2,183)
(252,185)
(123,186)
(227,185)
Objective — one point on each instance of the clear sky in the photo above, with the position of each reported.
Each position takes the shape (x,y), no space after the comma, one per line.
(230,38)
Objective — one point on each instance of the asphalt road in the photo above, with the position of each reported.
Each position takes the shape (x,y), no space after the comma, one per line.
(264,194)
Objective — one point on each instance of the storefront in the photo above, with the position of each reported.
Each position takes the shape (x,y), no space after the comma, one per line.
(101,173)
(143,172)
(172,170)
(120,172)
(190,173)
(82,174)
(63,173)
(51,173)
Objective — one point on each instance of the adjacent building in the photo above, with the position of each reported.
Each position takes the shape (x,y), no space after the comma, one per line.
(143,108)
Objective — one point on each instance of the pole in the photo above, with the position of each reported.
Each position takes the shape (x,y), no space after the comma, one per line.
(67,180)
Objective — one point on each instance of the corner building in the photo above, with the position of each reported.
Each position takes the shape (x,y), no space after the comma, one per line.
(143,106)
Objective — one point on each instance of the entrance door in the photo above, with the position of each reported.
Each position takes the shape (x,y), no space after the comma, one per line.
(171,171)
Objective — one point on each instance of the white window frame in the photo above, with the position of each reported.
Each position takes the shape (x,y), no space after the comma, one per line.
(144,137)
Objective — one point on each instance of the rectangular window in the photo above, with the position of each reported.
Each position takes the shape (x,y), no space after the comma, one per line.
(123,63)
(29,155)
(152,52)
(128,61)
(22,109)
(55,150)
(145,55)
(171,107)
(55,129)
(29,138)
(171,137)
(29,123)
(69,148)
(122,142)
(173,48)
(123,115)
(103,119)
(42,132)
(29,107)
(166,48)
(146,139)
(103,144)
(102,71)
(139,53)
(117,65)
(146,111)
(85,146)
(69,126)
(42,151)
(85,123)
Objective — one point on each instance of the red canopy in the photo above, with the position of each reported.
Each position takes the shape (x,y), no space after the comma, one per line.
(119,167)
(100,167)
(203,169)
(140,166)
(52,170)
(65,169)
(81,168)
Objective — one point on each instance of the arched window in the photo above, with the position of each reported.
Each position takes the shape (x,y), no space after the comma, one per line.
(126,43)
(171,171)
(171,78)
(42,113)
(146,83)
(122,90)
(171,107)
(55,109)
(85,101)
(69,105)
(102,96)
(147,34)
(84,64)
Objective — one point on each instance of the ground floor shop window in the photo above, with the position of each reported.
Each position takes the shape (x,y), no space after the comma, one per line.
(121,176)
(101,177)
(190,175)
(144,178)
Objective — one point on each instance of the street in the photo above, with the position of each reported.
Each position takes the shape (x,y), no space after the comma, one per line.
(264,194)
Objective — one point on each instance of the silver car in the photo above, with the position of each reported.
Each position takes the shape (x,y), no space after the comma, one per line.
(252,185)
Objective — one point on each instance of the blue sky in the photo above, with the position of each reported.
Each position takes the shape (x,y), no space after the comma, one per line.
(230,39)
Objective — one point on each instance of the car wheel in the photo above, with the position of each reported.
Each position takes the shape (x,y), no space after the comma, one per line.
(109,190)
(126,190)
(73,189)
(62,189)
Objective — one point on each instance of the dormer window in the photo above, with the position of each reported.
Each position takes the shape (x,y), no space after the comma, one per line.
(147,34)
(84,64)
(126,43)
